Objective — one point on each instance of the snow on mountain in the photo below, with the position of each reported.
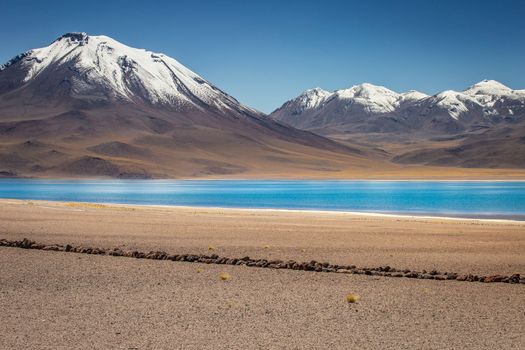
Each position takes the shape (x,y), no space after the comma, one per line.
(126,73)
(452,101)
(488,87)
(312,98)
(483,96)
(375,99)
(412,95)
(490,93)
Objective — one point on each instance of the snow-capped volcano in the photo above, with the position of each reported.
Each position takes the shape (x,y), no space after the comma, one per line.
(91,106)
(371,108)
(100,68)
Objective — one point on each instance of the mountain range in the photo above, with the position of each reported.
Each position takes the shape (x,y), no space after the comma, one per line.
(481,126)
(375,109)
(90,106)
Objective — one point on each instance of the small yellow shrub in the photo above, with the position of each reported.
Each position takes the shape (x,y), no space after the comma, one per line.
(225,276)
(352,298)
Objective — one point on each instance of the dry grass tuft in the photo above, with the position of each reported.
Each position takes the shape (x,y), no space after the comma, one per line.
(352,298)
(225,276)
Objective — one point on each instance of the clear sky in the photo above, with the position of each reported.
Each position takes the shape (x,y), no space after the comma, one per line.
(266,52)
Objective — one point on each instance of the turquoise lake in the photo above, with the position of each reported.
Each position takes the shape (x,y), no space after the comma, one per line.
(437,198)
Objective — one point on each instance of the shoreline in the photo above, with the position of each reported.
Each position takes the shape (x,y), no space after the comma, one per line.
(392,215)
(313,179)
(343,212)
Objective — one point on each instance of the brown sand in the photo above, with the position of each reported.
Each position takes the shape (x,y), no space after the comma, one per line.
(458,245)
(63,300)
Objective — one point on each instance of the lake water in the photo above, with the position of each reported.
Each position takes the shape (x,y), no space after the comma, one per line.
(438,198)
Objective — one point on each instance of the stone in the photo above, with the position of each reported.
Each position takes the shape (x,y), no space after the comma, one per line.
(494,278)
(515,278)
(116,252)
(473,278)
(26,243)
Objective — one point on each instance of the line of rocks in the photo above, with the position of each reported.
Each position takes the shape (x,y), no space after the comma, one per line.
(313,265)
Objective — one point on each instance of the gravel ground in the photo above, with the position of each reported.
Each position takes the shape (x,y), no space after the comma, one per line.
(56,300)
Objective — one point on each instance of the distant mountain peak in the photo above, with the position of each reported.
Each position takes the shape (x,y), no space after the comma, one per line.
(413,95)
(315,91)
(80,37)
(488,87)
(374,98)
(311,98)
(365,90)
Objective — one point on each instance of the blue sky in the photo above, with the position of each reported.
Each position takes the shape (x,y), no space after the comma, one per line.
(265,52)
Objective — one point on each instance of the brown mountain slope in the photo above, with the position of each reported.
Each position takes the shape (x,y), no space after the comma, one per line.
(501,147)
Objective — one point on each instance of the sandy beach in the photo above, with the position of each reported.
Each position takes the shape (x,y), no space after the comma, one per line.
(84,301)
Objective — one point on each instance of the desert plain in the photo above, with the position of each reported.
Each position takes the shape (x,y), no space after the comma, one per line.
(63,300)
